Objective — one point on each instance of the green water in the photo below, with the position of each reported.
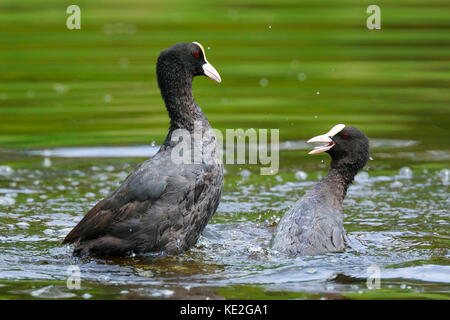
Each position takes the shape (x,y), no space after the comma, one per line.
(300,67)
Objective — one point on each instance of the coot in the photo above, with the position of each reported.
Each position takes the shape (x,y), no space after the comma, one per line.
(314,224)
(163,205)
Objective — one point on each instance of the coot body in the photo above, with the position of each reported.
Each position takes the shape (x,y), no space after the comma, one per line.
(314,225)
(166,202)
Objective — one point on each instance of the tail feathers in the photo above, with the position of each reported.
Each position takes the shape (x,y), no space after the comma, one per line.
(104,246)
(70,238)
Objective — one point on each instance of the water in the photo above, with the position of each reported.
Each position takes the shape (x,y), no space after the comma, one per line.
(401,229)
(297,66)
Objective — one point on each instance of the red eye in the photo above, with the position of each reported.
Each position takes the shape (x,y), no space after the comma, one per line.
(345,136)
(197,55)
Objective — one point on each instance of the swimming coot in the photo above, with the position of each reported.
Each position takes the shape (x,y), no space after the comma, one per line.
(163,205)
(314,224)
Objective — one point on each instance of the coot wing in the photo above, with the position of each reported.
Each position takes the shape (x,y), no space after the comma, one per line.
(310,227)
(123,208)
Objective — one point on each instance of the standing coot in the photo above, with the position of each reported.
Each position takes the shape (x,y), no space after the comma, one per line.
(314,224)
(163,205)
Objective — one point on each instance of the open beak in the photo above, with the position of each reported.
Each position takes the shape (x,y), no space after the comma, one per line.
(208,69)
(326,139)
(211,72)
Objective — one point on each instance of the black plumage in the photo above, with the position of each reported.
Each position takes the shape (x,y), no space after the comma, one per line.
(314,225)
(163,205)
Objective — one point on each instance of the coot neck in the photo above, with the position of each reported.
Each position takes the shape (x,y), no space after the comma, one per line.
(176,90)
(337,180)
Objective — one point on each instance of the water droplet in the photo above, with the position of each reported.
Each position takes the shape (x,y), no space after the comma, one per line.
(245,173)
(7,201)
(103,278)
(405,172)
(301,76)
(294,63)
(124,62)
(47,162)
(122,175)
(6,171)
(362,177)
(396,184)
(104,191)
(301,175)
(263,82)
(444,174)
(60,88)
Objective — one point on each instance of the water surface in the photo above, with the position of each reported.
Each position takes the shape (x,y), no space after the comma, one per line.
(80,109)
(396,216)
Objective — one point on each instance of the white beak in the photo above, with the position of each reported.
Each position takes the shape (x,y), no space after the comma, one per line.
(208,69)
(325,138)
(211,72)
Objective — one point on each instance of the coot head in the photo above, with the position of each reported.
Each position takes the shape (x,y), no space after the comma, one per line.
(347,146)
(186,60)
